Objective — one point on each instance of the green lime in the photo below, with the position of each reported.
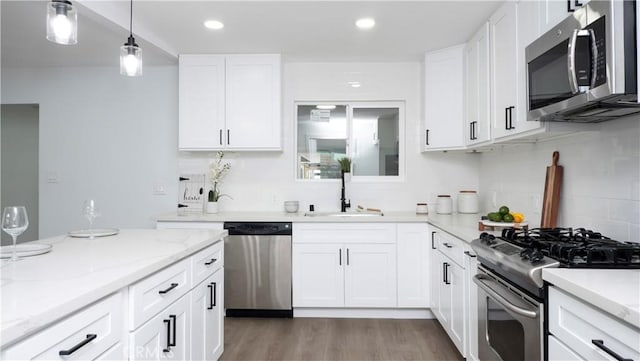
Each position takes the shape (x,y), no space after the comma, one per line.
(494,217)
(504,210)
(507,218)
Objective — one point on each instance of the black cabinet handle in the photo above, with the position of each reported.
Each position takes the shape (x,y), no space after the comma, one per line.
(220,136)
(469,254)
(173,285)
(90,337)
(475,130)
(212,292)
(600,344)
(433,234)
(506,118)
(340,256)
(446,274)
(168,323)
(426,133)
(511,127)
(228,137)
(347,256)
(173,318)
(447,245)
(213,260)
(471,131)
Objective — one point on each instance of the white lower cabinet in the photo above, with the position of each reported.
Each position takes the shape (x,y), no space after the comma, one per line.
(450,305)
(93,333)
(471,299)
(166,336)
(207,313)
(588,332)
(413,265)
(344,265)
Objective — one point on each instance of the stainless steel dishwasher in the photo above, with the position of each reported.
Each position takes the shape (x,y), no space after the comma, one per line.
(257,269)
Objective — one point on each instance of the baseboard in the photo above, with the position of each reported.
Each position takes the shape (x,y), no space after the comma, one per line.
(397,313)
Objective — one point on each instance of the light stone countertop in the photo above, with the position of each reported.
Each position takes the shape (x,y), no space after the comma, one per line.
(615,291)
(463,226)
(36,291)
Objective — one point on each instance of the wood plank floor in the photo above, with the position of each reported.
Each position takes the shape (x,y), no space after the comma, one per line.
(336,339)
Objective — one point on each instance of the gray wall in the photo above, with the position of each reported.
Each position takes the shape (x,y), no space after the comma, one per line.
(20,164)
(103,136)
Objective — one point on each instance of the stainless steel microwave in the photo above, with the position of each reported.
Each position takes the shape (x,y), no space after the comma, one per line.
(585,69)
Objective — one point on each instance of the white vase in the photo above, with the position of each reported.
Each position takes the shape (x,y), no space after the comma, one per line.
(212,207)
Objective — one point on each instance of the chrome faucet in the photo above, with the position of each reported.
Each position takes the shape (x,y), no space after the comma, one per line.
(343,204)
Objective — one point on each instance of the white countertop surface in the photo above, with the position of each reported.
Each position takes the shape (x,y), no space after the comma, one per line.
(37,291)
(613,290)
(464,226)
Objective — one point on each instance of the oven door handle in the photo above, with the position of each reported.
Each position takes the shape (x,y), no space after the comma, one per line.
(483,282)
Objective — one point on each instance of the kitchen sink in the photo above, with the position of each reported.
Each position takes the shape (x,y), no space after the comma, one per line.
(341,214)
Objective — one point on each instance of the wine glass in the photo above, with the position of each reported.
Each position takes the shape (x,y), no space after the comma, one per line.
(14,223)
(90,212)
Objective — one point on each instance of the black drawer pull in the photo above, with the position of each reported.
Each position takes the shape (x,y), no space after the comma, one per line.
(90,337)
(469,254)
(214,294)
(447,245)
(610,352)
(446,274)
(213,260)
(433,234)
(173,285)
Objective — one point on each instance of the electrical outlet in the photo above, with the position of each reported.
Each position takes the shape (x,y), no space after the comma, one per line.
(536,204)
(159,190)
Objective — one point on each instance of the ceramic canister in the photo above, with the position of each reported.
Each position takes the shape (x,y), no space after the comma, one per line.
(444,205)
(468,202)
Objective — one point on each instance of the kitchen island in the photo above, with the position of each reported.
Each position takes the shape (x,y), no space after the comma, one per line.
(39,292)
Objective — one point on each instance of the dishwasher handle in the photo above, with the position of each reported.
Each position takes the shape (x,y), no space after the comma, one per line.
(258,228)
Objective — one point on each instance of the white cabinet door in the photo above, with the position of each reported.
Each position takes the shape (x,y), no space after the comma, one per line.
(207,315)
(504,55)
(370,275)
(559,351)
(253,102)
(413,248)
(444,293)
(456,279)
(471,297)
(435,274)
(444,99)
(318,275)
(201,102)
(478,116)
(165,337)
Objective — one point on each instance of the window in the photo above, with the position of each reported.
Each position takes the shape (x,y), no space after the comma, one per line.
(371,134)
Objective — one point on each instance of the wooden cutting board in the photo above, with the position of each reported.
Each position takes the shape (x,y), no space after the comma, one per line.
(551,198)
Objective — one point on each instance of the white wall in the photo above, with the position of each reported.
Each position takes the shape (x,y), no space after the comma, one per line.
(262,181)
(104,136)
(601,186)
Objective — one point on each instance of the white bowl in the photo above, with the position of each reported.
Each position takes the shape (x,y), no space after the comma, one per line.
(291,206)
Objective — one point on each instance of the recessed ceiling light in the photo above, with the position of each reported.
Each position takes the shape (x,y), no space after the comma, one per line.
(326,106)
(213,24)
(365,23)
(355,84)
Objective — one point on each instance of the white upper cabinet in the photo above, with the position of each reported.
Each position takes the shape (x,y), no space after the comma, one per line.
(504,55)
(444,99)
(552,12)
(230,102)
(477,66)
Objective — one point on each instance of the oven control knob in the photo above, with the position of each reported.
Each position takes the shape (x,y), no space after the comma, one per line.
(487,238)
(536,257)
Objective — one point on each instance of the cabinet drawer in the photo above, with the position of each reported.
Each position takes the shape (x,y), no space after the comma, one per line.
(344,233)
(206,262)
(152,294)
(576,324)
(451,247)
(103,319)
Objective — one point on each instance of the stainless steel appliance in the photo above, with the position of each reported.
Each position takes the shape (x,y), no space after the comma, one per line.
(585,68)
(511,292)
(257,279)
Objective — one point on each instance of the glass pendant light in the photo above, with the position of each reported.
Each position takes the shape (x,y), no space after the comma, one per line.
(62,22)
(130,53)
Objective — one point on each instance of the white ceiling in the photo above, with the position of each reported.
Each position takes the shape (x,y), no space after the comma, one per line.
(299,30)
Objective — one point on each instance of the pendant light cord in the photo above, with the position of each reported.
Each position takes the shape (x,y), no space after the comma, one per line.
(131,19)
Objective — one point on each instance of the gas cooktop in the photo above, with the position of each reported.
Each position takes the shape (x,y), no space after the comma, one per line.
(571,247)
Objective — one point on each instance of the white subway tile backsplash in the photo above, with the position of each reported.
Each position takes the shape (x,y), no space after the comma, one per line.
(601,185)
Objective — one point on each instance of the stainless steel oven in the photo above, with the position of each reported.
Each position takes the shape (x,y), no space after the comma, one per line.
(510,322)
